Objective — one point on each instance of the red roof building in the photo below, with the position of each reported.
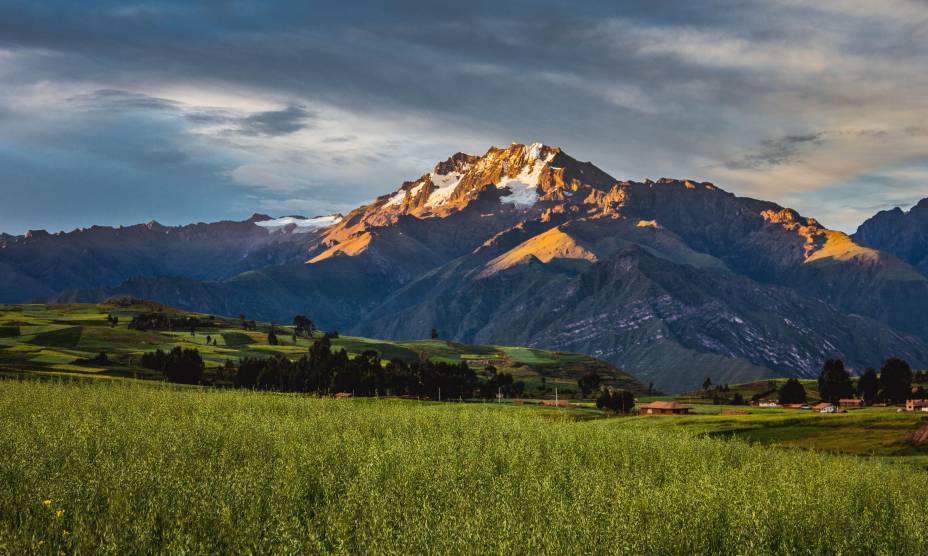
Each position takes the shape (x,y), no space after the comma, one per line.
(664,408)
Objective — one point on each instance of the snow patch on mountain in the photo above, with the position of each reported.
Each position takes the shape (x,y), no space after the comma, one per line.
(524,187)
(444,187)
(300,224)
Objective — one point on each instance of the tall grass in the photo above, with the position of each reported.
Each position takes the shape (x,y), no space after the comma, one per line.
(115,468)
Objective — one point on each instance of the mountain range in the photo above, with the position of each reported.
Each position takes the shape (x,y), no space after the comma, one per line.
(672,280)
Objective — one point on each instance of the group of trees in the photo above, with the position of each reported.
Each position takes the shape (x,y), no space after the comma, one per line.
(164,321)
(588,383)
(615,400)
(792,391)
(324,371)
(178,365)
(247,324)
(302,326)
(721,394)
(893,384)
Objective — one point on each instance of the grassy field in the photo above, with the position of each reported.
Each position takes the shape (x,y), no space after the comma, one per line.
(135,468)
(130,467)
(880,433)
(59,340)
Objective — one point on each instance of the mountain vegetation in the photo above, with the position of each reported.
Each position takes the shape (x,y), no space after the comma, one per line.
(155,342)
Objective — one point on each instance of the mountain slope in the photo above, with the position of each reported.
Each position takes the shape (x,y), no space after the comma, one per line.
(669,323)
(528,243)
(902,233)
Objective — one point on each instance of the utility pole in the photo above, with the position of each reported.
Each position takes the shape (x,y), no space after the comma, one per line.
(555,396)
(439,393)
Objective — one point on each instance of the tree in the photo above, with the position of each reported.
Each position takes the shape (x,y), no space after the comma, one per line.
(588,383)
(615,400)
(303,326)
(272,337)
(707,384)
(178,365)
(868,386)
(834,383)
(792,391)
(434,333)
(896,380)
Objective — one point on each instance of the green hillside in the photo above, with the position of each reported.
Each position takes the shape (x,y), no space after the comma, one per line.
(66,340)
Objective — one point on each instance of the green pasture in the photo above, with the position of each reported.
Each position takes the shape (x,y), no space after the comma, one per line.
(139,468)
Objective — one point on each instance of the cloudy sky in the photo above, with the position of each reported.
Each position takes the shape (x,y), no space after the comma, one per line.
(116,113)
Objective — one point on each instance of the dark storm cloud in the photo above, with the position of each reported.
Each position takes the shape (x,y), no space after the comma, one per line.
(641,88)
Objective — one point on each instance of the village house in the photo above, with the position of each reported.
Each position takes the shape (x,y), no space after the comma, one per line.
(664,408)
(850,403)
(824,407)
(916,405)
(767,403)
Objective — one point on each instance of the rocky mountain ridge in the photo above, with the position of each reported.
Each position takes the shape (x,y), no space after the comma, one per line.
(673,280)
(902,233)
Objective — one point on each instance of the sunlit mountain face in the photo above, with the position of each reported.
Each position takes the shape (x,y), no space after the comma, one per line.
(673,280)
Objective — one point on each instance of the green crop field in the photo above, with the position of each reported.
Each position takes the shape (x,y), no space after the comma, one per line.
(54,340)
(135,467)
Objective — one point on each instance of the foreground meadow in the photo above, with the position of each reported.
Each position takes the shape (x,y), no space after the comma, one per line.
(133,468)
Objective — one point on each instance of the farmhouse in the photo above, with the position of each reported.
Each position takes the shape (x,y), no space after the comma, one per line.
(849,403)
(916,405)
(824,407)
(664,408)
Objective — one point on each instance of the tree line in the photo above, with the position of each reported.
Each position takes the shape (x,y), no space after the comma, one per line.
(892,385)
(324,371)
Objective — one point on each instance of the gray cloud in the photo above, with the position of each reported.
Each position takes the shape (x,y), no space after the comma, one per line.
(641,88)
(774,152)
(114,99)
(277,122)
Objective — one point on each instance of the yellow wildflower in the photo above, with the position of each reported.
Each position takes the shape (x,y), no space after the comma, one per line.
(47,503)
(59,513)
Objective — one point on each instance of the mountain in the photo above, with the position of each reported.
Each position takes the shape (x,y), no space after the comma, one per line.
(904,234)
(673,280)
